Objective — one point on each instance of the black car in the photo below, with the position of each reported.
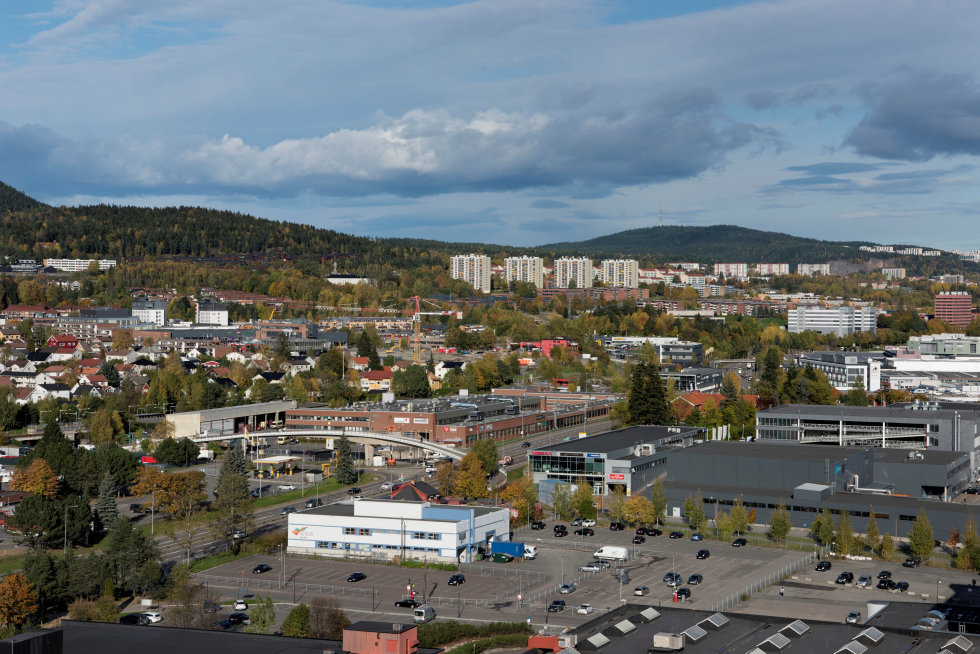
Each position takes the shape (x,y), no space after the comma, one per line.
(676,534)
(617,526)
(560,528)
(886,584)
(356,576)
(354,491)
(703,554)
(134,618)
(456,580)
(537,524)
(845,578)
(584,531)
(561,533)
(239,618)
(136,508)
(695,579)
(313,502)
(885,574)
(739,542)
(911,562)
(286,510)
(673,579)
(260,568)
(639,540)
(651,531)
(823,566)
(556,606)
(641,531)
(408,604)
(972,490)
(526,444)
(683,593)
(902,586)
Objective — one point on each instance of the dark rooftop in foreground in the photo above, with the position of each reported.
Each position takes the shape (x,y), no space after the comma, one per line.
(619,439)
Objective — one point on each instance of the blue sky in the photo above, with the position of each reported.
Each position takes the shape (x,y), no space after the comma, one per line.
(505,121)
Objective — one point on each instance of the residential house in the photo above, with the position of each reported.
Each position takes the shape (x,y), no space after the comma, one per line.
(415,491)
(22,394)
(297,364)
(64,354)
(39,357)
(443,367)
(62,340)
(376,380)
(271,377)
(57,391)
(359,364)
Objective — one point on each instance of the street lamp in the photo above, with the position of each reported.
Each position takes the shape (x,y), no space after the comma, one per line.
(75,506)
(153,506)
(937,589)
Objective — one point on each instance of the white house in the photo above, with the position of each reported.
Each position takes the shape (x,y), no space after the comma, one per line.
(443,367)
(396,528)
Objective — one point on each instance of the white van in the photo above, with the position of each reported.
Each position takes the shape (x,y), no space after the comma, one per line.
(530,552)
(423,614)
(611,552)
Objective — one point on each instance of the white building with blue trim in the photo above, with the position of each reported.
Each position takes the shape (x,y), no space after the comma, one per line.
(382,528)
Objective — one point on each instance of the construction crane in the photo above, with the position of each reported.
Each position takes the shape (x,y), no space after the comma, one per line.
(417,323)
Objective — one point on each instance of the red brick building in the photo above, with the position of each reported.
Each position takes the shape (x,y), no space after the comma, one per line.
(954,308)
(370,637)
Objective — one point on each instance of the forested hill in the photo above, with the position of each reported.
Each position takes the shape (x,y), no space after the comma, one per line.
(13,200)
(714,243)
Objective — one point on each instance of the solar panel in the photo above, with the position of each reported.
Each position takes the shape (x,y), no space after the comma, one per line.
(695,633)
(625,626)
(756,650)
(853,647)
(798,627)
(649,614)
(717,620)
(598,640)
(777,640)
(959,643)
(872,634)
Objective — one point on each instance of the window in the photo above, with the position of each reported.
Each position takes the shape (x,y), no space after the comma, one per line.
(363,532)
(349,531)
(418,535)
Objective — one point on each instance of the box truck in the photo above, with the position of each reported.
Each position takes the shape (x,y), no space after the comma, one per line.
(611,552)
(510,548)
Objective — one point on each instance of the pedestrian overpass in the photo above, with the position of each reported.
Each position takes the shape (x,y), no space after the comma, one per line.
(368,438)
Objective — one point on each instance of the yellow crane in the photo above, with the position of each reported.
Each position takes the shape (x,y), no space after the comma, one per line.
(417,324)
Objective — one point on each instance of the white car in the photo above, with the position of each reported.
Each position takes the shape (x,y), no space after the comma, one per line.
(241,605)
(590,567)
(386,485)
(238,533)
(584,609)
(287,487)
(567,588)
(588,523)
(153,616)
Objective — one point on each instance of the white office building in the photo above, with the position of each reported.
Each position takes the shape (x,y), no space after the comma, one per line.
(209,312)
(574,271)
(811,269)
(832,320)
(474,269)
(384,528)
(524,269)
(152,312)
(624,273)
(845,369)
(78,265)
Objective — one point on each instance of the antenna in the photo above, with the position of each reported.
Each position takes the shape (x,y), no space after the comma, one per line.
(661,216)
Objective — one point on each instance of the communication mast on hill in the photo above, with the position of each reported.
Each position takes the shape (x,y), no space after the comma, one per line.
(661,216)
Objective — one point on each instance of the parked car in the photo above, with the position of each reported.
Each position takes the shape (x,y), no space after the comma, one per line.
(456,580)
(639,540)
(703,554)
(408,604)
(845,578)
(211,607)
(286,510)
(561,533)
(556,606)
(694,579)
(134,618)
(255,492)
(560,528)
(239,618)
(853,617)
(313,502)
(641,591)
(566,589)
(238,533)
(538,524)
(588,523)
(885,574)
(739,542)
(901,586)
(356,576)
(591,566)
(584,609)
(886,584)
(697,536)
(260,568)
(673,579)
(153,616)
(617,526)
(676,534)
(241,605)
(354,490)
(683,593)
(576,522)
(823,566)
(136,508)
(911,562)
(864,581)
(386,485)
(286,487)
(526,444)
(584,531)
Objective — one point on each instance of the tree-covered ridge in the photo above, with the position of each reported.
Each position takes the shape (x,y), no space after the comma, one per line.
(13,200)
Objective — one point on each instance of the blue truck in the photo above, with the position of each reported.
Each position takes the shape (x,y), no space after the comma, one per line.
(509,548)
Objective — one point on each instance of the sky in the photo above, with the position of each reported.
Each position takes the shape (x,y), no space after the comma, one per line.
(505,121)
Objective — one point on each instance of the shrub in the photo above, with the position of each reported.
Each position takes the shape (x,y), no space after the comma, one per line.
(435,634)
(432,566)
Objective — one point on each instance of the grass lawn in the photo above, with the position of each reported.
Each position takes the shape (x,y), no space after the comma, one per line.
(215,560)
(12,563)
(513,474)
(310,491)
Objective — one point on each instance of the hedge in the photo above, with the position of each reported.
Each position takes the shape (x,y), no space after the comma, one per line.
(440,633)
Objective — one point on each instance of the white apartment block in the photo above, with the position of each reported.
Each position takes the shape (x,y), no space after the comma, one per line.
(474,269)
(686,266)
(571,269)
(737,270)
(524,269)
(841,321)
(78,265)
(811,269)
(623,273)
(209,312)
(150,311)
(772,268)
(893,273)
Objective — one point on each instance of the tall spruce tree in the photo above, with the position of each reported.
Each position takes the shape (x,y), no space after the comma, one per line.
(105,507)
(346,470)
(232,503)
(647,401)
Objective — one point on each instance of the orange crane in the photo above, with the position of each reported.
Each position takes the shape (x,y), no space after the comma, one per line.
(417,323)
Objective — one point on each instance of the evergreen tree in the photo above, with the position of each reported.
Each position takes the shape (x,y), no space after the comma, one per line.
(647,397)
(921,539)
(872,537)
(106,509)
(730,390)
(232,503)
(779,523)
(110,373)
(346,471)
(857,396)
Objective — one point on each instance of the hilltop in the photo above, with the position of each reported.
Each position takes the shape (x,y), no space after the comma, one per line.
(13,200)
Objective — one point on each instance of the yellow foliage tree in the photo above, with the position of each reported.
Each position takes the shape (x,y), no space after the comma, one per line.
(37,478)
(176,494)
(18,600)
(638,510)
(471,481)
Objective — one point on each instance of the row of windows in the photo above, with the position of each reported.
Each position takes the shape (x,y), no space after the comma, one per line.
(417,535)
(367,547)
(810,509)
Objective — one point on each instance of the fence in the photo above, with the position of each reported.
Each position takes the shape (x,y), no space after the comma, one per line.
(274,584)
(764,582)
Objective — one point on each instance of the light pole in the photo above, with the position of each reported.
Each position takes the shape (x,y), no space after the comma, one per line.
(153,508)
(75,506)
(937,589)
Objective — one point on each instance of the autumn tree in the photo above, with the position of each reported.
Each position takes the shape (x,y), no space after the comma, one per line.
(471,481)
(638,510)
(921,539)
(779,523)
(968,556)
(446,478)
(176,494)
(37,478)
(872,537)
(887,546)
(583,500)
(561,500)
(740,520)
(844,536)
(523,495)
(658,497)
(18,600)
(694,512)
(327,619)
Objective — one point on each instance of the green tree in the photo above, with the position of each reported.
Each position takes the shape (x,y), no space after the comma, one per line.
(106,509)
(872,537)
(647,397)
(176,452)
(887,546)
(857,396)
(844,535)
(108,370)
(724,525)
(823,527)
(968,556)
(694,512)
(131,558)
(779,523)
(297,623)
(584,500)
(561,500)
(730,390)
(921,539)
(485,450)
(739,519)
(346,471)
(233,503)
(262,617)
(658,497)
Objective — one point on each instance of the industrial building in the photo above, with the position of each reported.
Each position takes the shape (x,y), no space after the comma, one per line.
(845,370)
(474,269)
(230,420)
(628,459)
(397,529)
(841,321)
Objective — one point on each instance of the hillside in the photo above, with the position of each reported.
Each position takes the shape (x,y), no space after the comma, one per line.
(13,200)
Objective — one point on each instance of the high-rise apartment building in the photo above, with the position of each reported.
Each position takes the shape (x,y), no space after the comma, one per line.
(524,269)
(954,308)
(572,271)
(621,272)
(739,270)
(772,268)
(811,269)
(474,269)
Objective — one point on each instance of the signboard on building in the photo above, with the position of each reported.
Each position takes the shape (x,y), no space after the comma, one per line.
(615,477)
(420,421)
(401,421)
(593,455)
(541,453)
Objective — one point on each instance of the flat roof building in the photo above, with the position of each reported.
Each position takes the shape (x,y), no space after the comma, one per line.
(624,273)
(524,269)
(474,269)
(845,370)
(841,321)
(954,308)
(574,272)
